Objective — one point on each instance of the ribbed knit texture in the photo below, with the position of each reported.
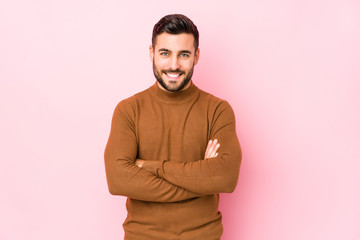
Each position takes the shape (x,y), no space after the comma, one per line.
(175,196)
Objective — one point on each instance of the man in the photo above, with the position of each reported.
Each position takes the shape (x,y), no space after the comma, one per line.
(164,152)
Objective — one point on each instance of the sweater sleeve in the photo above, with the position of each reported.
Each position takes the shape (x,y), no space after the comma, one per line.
(123,177)
(212,175)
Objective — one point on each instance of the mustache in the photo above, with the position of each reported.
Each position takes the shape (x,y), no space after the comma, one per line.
(173,71)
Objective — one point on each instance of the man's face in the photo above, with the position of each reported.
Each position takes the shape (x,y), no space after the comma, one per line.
(173,59)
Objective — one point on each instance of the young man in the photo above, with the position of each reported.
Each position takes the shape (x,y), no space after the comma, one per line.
(164,151)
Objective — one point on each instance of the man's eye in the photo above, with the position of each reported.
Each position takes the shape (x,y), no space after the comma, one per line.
(184,55)
(164,54)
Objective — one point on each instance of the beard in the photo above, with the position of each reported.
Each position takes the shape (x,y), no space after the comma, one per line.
(172,86)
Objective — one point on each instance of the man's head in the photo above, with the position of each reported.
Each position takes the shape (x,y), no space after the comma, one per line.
(174,51)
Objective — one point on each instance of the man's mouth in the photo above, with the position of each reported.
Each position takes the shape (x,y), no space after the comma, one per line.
(172,75)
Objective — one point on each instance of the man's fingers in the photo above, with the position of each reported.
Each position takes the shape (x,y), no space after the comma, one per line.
(207,149)
(139,163)
(214,150)
(211,149)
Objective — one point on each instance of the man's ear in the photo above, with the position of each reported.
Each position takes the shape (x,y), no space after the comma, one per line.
(197,56)
(151,53)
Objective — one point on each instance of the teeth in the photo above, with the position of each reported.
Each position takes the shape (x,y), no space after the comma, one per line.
(172,75)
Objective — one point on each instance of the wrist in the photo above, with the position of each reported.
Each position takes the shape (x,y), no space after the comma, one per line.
(152,166)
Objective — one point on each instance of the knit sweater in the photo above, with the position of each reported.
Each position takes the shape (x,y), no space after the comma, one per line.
(176,195)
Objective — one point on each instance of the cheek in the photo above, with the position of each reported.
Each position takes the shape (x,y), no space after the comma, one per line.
(160,63)
(187,65)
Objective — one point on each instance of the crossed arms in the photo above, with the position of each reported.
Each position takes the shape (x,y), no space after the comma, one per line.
(211,151)
(166,181)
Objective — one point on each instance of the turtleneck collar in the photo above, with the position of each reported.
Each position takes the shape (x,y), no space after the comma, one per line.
(174,97)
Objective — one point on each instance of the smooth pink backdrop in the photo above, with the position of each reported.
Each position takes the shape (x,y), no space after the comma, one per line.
(290,69)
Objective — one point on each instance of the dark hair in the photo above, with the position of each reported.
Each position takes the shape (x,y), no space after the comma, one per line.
(176,24)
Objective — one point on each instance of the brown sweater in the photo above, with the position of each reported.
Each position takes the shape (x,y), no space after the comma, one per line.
(176,196)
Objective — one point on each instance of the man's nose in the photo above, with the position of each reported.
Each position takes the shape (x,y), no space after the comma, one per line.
(174,63)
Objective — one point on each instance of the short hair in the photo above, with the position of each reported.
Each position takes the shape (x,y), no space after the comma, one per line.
(176,24)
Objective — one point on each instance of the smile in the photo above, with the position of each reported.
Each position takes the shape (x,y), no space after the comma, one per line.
(173,75)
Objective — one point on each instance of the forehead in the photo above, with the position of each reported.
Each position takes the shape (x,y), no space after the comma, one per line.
(175,42)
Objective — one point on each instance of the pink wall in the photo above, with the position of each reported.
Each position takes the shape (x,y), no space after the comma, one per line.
(290,69)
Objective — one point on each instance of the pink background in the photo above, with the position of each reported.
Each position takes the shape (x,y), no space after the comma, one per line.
(290,69)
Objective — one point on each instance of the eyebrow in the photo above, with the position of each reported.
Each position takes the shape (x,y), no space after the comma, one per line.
(185,51)
(167,50)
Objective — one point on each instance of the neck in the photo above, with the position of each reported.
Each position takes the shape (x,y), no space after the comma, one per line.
(186,94)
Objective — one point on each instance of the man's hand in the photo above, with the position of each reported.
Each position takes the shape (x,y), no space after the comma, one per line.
(139,163)
(211,149)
